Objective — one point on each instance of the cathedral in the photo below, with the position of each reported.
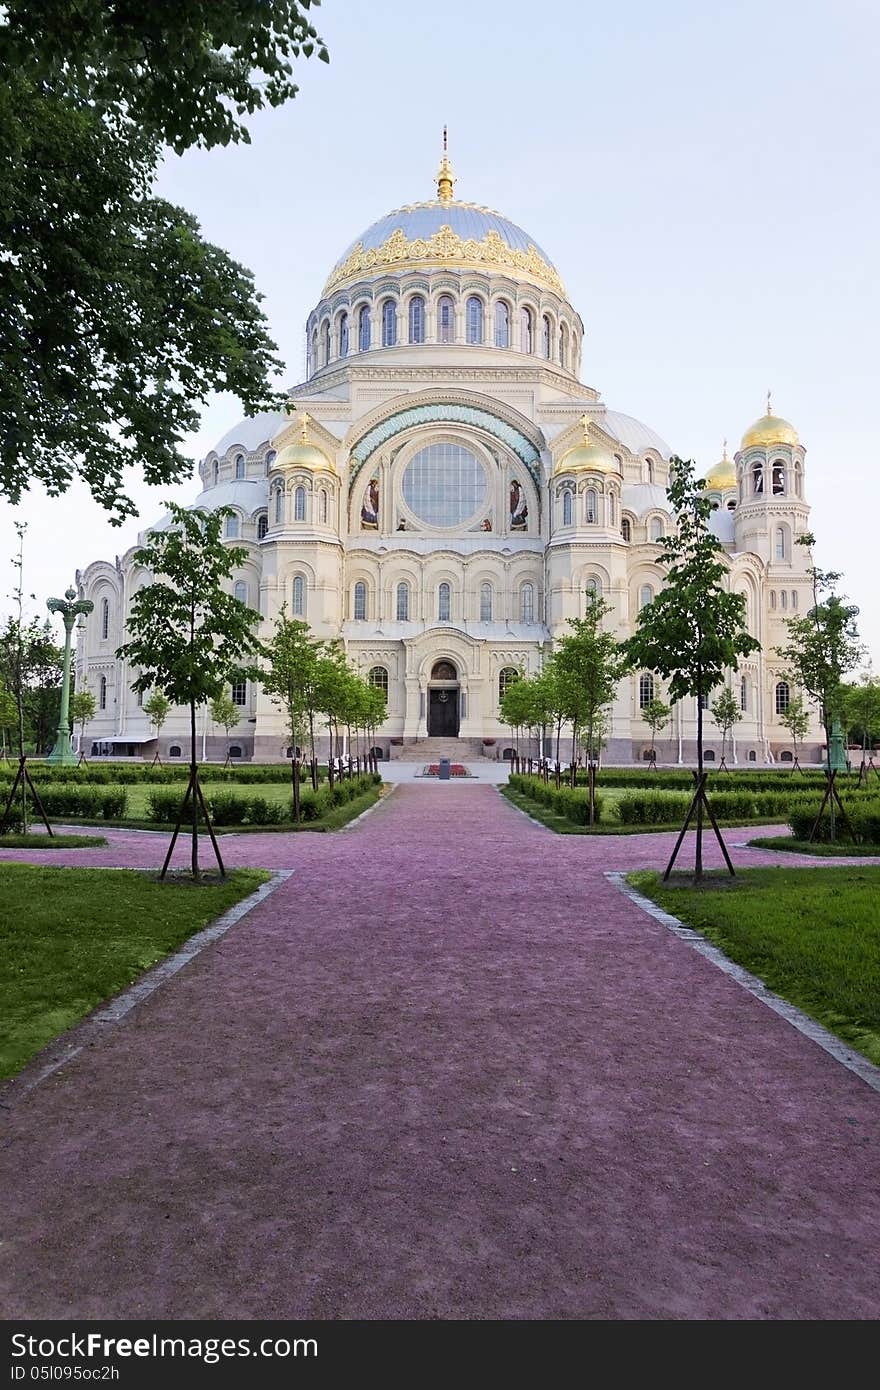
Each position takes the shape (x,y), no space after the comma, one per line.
(443,493)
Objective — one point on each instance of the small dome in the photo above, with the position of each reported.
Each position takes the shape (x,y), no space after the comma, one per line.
(723,475)
(769,430)
(305,454)
(590,456)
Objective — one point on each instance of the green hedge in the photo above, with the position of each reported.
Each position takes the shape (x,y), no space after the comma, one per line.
(60,800)
(230,808)
(864,816)
(116,774)
(569,802)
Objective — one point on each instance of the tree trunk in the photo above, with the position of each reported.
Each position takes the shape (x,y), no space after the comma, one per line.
(193,773)
(698,855)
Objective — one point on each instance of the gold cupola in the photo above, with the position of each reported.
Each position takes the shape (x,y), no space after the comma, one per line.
(587,457)
(768,431)
(445,176)
(305,454)
(723,475)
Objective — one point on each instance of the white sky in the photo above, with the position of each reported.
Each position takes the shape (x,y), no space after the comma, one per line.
(704,178)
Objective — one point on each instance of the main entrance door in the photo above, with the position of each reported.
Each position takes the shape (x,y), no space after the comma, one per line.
(443,713)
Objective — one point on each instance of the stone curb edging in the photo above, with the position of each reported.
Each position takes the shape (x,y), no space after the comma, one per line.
(853,1061)
(60,1051)
(380,801)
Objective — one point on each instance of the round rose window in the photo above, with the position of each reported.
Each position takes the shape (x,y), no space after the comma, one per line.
(444,485)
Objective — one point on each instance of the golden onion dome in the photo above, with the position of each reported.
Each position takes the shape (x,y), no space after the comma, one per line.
(769,430)
(723,475)
(589,456)
(305,454)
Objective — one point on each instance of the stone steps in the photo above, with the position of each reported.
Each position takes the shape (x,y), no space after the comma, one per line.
(431,750)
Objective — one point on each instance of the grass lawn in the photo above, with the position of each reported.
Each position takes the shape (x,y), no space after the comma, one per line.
(812,935)
(56,841)
(609,825)
(839,850)
(70,938)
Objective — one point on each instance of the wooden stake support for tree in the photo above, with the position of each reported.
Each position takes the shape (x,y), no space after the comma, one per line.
(699,799)
(722,766)
(831,794)
(22,775)
(193,788)
(865,768)
(652,760)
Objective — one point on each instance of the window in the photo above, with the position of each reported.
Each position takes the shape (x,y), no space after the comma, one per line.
(325,342)
(772,598)
(563,346)
(241,593)
(646,689)
(546,337)
(417,319)
(758,479)
(403,603)
(389,323)
(794,598)
(502,324)
(445,319)
(704,700)
(527,330)
(235,751)
(485,603)
(279,506)
(270,459)
(322,505)
(313,355)
(612,508)
(779,545)
(239,692)
(444,484)
(102,693)
(709,755)
(298,598)
(778,478)
(140,699)
(232,527)
(506,678)
(646,595)
(753,757)
(239,465)
(649,470)
(527,604)
(474,319)
(783,598)
(593,587)
(797,480)
(299,504)
(444,602)
(731,506)
(626,529)
(656,528)
(591,506)
(378,678)
(743,694)
(343,335)
(105,619)
(216,472)
(364,329)
(566,509)
(262,526)
(785,756)
(360,601)
(174,750)
(783,697)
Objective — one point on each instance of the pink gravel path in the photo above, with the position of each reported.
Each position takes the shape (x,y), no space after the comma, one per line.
(446,1070)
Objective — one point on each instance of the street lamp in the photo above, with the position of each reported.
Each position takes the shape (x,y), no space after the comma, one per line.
(69,607)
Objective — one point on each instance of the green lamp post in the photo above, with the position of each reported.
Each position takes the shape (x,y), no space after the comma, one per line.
(70,608)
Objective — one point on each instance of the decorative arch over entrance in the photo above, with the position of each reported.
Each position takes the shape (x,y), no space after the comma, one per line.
(444,699)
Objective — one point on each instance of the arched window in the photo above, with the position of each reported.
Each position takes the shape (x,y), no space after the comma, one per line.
(360,601)
(649,470)
(797,480)
(547,337)
(279,506)
(105,619)
(626,529)
(778,478)
(216,472)
(506,678)
(389,323)
(731,506)
(378,679)
(298,597)
(783,598)
(794,598)
(656,528)
(527,603)
(102,693)
(566,509)
(445,319)
(322,505)
(563,345)
(238,691)
(241,593)
(270,459)
(444,602)
(612,509)
(703,700)
(646,689)
(758,479)
(174,750)
(783,697)
(502,324)
(417,319)
(646,595)
(485,603)
(743,694)
(343,335)
(474,319)
(239,465)
(313,356)
(364,330)
(591,506)
(772,598)
(779,543)
(325,341)
(262,526)
(403,602)
(232,527)
(299,504)
(527,330)
(593,589)
(753,757)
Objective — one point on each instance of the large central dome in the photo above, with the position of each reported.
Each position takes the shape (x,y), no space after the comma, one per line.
(445,232)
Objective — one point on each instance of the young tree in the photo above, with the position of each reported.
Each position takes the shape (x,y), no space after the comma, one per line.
(156,708)
(656,715)
(514,707)
(117,320)
(225,713)
(288,677)
(694,630)
(797,720)
(862,710)
(727,714)
(187,631)
(590,662)
(82,712)
(8,717)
